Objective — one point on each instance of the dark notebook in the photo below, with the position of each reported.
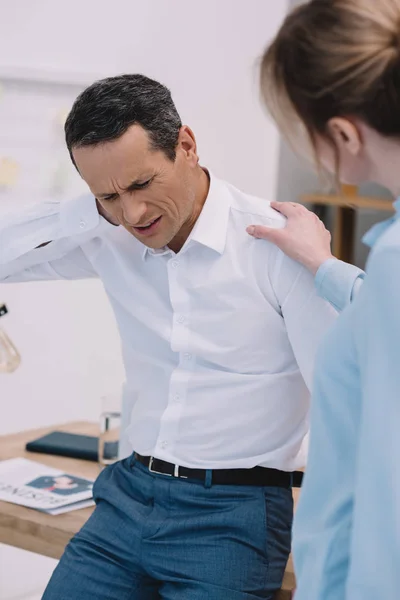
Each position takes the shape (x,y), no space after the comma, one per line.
(72,445)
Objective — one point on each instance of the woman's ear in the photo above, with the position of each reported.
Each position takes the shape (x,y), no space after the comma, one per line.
(345,134)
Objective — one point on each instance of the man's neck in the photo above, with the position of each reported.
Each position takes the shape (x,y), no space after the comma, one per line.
(201,196)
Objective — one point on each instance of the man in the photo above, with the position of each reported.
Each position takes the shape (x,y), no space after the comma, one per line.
(219,332)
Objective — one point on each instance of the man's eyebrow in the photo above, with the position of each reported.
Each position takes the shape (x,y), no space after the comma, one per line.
(132,186)
(105,194)
(136,183)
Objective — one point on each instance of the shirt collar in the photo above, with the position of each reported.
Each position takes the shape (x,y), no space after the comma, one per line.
(373,235)
(211,227)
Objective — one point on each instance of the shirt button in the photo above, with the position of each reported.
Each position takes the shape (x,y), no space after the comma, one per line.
(164,444)
(177,398)
(82,224)
(181,319)
(174,264)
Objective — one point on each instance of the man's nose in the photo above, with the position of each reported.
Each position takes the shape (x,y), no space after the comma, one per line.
(133,210)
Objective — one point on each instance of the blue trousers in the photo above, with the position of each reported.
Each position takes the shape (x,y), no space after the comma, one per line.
(153,537)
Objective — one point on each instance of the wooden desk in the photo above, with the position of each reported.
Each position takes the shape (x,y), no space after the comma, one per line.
(345,206)
(48,535)
(30,529)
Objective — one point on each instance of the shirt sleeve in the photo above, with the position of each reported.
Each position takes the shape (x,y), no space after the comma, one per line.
(44,241)
(375,549)
(338,282)
(307,316)
(346,533)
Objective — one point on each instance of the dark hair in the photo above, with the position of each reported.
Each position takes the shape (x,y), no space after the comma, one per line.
(105,110)
(335,58)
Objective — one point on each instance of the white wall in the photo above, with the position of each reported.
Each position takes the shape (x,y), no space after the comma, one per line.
(206,52)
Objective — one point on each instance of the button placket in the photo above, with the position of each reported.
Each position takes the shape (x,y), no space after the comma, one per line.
(180,305)
(170,420)
(180,376)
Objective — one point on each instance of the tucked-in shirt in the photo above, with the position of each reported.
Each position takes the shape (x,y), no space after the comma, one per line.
(347,528)
(218,340)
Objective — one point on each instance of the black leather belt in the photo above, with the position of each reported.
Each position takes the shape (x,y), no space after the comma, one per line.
(260,476)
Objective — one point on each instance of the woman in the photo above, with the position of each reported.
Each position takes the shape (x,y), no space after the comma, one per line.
(333,72)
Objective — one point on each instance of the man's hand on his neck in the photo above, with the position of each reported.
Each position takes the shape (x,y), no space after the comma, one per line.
(305,238)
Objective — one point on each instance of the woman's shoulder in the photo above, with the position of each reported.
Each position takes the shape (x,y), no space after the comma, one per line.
(386,248)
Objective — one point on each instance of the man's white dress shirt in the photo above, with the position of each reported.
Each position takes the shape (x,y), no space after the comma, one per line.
(218,340)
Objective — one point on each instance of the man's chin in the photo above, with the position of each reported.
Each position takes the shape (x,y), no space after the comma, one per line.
(155,243)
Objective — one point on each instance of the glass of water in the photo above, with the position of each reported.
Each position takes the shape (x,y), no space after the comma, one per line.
(9,356)
(110,424)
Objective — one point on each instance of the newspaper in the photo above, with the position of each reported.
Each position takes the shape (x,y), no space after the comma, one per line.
(31,484)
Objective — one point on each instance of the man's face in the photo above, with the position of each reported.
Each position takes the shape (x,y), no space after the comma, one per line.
(141,188)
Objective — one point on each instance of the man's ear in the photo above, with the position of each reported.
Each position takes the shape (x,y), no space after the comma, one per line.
(346,135)
(187,142)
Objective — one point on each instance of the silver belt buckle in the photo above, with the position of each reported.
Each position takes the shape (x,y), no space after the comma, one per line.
(174,474)
(156,472)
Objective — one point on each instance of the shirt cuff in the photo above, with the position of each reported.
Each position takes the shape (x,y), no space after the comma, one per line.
(338,282)
(78,215)
(80,219)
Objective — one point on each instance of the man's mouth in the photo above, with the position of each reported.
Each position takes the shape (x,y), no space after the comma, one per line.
(149,227)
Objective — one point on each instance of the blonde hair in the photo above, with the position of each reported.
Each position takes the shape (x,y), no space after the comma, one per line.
(335,58)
